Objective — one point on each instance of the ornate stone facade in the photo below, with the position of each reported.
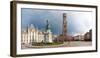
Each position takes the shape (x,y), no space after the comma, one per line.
(34,35)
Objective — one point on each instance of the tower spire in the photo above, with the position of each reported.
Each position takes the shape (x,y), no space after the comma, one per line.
(47,25)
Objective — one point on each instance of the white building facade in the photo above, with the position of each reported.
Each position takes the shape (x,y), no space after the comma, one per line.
(33,35)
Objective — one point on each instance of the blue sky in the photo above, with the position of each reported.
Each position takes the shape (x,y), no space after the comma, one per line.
(78,22)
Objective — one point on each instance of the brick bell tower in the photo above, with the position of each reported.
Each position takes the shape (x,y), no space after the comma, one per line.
(64,28)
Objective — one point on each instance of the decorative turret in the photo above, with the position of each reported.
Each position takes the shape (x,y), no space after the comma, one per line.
(48,33)
(32,26)
(48,25)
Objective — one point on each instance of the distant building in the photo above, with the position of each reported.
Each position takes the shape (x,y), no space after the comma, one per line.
(54,37)
(70,38)
(33,35)
(79,37)
(88,36)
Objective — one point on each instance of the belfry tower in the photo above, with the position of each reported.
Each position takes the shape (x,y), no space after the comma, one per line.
(64,28)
